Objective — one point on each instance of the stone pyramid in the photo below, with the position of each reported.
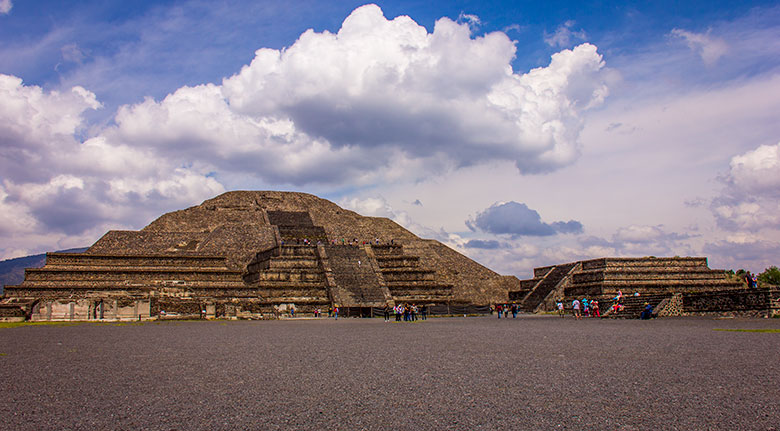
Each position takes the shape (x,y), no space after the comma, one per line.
(253,254)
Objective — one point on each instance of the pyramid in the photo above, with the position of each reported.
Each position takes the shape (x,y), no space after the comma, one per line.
(253,254)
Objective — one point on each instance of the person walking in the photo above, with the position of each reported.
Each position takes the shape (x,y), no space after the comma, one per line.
(575,308)
(560,308)
(498,310)
(514,310)
(336,312)
(387,312)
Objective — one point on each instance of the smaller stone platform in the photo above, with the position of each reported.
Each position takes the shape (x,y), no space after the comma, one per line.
(605,278)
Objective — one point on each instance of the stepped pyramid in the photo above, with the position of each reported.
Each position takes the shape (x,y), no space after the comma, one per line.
(602,279)
(252,254)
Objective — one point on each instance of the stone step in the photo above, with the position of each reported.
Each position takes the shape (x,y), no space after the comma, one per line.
(114,284)
(610,285)
(397,261)
(686,262)
(290,262)
(423,284)
(152,260)
(392,275)
(387,249)
(288,283)
(298,250)
(120,275)
(293,275)
(654,275)
(131,268)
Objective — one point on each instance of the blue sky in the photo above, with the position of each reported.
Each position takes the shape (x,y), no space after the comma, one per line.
(520,133)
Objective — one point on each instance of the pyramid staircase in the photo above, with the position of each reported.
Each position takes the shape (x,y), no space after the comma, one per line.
(289,274)
(356,279)
(534,298)
(406,280)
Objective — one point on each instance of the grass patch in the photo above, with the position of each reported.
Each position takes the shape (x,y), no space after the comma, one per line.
(21,324)
(770,331)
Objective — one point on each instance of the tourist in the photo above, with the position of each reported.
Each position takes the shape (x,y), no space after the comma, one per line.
(506,311)
(575,309)
(336,312)
(387,312)
(398,313)
(292,311)
(414,313)
(498,310)
(755,281)
(514,310)
(594,305)
(647,313)
(585,307)
(560,308)
(424,312)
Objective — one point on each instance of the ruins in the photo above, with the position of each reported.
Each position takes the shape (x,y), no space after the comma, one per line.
(261,254)
(252,254)
(674,286)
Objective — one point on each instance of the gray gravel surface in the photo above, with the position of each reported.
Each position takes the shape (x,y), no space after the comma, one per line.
(445,373)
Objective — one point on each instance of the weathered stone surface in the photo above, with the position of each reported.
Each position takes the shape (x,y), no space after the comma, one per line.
(673,285)
(254,254)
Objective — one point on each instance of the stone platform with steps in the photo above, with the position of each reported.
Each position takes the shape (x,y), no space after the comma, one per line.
(605,278)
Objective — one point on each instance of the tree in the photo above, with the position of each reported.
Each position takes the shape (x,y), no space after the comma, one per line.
(770,275)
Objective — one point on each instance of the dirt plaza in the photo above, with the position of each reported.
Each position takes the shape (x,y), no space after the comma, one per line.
(533,372)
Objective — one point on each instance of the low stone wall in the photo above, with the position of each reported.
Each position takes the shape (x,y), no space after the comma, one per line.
(746,302)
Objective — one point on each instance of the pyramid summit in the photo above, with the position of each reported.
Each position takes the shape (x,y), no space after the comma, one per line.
(254,254)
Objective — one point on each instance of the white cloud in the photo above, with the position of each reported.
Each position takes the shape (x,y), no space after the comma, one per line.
(472,20)
(709,48)
(757,172)
(563,36)
(5,6)
(381,90)
(56,188)
(750,199)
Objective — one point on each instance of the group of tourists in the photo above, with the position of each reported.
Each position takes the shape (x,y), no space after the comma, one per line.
(580,308)
(505,309)
(407,312)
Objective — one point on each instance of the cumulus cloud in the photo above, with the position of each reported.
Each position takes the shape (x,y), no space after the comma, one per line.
(735,250)
(5,6)
(516,219)
(381,90)
(54,186)
(750,199)
(709,48)
(563,36)
(378,101)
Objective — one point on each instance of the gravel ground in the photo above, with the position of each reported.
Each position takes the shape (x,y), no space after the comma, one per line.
(446,373)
